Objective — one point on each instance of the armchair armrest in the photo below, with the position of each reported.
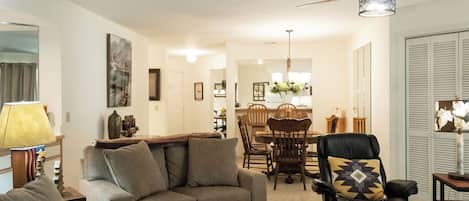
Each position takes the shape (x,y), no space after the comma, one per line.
(322,187)
(254,182)
(400,188)
(101,190)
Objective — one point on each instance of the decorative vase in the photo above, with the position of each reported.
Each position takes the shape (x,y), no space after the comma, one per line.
(114,125)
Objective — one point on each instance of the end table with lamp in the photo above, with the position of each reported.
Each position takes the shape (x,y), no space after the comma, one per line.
(23,127)
(452,116)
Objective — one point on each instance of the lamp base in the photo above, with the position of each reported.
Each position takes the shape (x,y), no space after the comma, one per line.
(23,165)
(456,176)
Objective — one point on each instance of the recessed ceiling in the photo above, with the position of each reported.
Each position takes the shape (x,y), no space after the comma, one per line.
(203,23)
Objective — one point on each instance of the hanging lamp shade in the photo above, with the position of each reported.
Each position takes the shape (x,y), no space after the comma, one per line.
(377,8)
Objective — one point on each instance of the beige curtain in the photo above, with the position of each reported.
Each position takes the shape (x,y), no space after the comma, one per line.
(18,82)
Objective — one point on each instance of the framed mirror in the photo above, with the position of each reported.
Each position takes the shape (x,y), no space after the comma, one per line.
(19,62)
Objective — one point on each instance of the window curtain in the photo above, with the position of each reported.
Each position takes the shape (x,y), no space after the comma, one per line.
(18,82)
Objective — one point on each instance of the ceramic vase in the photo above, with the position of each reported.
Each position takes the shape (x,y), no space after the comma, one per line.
(114,125)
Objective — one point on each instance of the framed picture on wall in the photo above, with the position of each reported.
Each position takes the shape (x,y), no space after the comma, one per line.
(219,90)
(119,71)
(258,91)
(154,79)
(198,91)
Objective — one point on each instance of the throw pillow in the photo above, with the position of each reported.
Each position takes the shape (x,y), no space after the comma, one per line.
(135,170)
(357,179)
(212,162)
(177,160)
(41,189)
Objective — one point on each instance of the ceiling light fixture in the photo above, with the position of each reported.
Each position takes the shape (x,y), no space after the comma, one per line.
(377,8)
(191,58)
(260,61)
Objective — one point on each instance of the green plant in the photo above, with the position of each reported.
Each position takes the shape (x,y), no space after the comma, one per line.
(285,87)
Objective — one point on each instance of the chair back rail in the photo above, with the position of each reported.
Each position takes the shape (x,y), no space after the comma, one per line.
(243,129)
(257,115)
(289,136)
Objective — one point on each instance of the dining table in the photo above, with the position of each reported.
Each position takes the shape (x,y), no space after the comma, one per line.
(266,137)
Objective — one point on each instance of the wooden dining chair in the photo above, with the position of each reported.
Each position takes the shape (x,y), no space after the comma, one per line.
(257,115)
(289,137)
(264,155)
(285,110)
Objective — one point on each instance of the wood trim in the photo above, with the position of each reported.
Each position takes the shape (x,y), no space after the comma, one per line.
(153,140)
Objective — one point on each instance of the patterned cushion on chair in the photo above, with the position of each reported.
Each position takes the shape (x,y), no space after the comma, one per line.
(357,179)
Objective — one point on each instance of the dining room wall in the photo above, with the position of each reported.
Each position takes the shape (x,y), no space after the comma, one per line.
(329,70)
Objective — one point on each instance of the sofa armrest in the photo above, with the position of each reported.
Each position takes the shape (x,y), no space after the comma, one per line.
(254,182)
(102,190)
(400,188)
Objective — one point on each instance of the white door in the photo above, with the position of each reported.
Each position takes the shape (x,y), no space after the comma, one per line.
(175,102)
(362,84)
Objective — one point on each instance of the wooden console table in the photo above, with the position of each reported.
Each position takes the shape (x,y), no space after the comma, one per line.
(457,185)
(70,194)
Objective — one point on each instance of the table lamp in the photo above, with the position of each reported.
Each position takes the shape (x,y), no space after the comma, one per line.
(452,116)
(24,125)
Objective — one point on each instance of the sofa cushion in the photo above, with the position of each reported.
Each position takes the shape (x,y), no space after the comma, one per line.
(135,170)
(159,156)
(95,166)
(212,162)
(216,193)
(41,189)
(176,163)
(168,196)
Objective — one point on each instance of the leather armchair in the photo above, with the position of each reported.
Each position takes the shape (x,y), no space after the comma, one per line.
(355,146)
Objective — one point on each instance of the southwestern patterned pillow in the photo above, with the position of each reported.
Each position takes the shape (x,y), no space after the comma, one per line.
(357,179)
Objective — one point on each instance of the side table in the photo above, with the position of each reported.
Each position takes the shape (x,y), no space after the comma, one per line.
(457,185)
(70,194)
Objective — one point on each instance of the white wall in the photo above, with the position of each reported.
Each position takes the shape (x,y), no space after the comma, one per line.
(436,16)
(73,72)
(157,112)
(250,72)
(50,88)
(376,31)
(330,78)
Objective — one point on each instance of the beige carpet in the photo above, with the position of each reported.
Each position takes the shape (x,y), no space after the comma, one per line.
(291,192)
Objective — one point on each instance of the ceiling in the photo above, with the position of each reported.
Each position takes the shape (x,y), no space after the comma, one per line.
(208,23)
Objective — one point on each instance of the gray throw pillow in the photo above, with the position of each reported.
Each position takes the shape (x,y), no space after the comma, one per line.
(135,170)
(212,162)
(41,189)
(177,162)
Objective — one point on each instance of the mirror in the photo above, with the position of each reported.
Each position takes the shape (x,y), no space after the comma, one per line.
(19,67)
(362,89)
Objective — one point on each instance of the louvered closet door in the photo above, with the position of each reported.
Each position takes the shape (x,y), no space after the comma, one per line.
(444,69)
(418,115)
(464,72)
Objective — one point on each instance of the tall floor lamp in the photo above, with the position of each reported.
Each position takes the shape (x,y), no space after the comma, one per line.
(24,125)
(452,116)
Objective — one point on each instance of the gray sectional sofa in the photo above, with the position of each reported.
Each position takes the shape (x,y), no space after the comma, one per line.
(98,183)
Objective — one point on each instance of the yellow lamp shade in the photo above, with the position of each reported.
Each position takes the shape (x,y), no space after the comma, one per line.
(24,124)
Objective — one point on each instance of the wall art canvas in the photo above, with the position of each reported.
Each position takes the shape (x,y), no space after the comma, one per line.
(119,71)
(198,91)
